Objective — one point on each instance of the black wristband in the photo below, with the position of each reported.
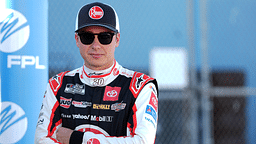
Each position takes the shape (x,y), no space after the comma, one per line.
(76,137)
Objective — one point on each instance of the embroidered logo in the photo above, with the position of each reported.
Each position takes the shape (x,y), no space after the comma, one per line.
(75,89)
(93,141)
(118,106)
(101,106)
(56,81)
(81,104)
(64,102)
(115,72)
(96,12)
(151,111)
(153,101)
(111,93)
(139,81)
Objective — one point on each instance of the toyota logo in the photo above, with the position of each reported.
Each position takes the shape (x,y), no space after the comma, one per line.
(112,93)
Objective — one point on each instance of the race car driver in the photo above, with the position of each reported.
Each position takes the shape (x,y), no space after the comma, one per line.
(100,102)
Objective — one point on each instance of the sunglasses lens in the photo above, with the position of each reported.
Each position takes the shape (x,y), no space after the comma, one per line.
(86,38)
(105,38)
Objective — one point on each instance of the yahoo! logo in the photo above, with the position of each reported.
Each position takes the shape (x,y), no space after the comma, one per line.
(14,31)
(13,122)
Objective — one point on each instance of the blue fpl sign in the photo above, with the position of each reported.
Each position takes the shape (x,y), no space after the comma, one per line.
(23,68)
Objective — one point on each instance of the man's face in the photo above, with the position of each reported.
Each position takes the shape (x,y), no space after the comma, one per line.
(97,56)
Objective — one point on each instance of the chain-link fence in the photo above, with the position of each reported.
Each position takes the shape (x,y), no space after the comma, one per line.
(216,106)
(174,125)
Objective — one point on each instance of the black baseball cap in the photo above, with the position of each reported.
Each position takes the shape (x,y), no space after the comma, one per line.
(97,14)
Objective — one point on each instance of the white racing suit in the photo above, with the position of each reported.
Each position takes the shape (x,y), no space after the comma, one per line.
(116,105)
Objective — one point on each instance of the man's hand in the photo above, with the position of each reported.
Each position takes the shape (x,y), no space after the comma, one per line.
(63,135)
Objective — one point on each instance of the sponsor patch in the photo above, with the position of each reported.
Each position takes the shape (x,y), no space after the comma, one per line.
(93,141)
(115,72)
(40,121)
(65,115)
(111,93)
(56,81)
(96,12)
(150,110)
(94,73)
(148,119)
(81,104)
(118,106)
(101,106)
(138,81)
(89,117)
(101,118)
(75,89)
(64,102)
(129,74)
(78,116)
(153,101)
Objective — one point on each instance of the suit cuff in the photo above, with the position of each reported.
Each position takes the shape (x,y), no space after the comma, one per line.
(76,137)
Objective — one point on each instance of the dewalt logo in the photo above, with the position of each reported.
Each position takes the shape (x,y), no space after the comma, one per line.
(101,106)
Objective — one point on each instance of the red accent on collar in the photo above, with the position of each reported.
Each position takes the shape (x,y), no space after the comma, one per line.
(99,76)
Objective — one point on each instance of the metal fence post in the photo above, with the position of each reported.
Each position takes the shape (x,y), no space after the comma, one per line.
(194,131)
(205,73)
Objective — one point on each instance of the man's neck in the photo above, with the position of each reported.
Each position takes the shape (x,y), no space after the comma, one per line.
(91,72)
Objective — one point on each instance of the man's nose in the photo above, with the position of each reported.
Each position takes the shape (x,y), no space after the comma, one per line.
(96,43)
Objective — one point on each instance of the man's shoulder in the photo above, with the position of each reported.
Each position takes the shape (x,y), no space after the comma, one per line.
(135,75)
(73,72)
(55,82)
(138,80)
(126,72)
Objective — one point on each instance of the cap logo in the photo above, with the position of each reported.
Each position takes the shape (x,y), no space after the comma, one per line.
(96,12)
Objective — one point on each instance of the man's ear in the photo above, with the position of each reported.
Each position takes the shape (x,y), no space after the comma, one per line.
(77,38)
(117,39)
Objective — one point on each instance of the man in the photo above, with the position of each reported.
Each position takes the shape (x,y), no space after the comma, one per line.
(100,102)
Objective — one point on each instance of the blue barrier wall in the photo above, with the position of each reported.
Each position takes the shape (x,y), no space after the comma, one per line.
(24,68)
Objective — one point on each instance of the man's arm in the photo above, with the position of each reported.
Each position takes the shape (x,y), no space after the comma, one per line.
(49,118)
(63,135)
(146,114)
(48,121)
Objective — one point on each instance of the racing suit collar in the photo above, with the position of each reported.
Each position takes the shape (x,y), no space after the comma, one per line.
(92,78)
(95,74)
